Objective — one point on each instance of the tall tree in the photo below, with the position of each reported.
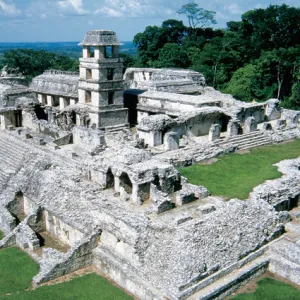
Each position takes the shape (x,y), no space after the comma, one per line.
(197,16)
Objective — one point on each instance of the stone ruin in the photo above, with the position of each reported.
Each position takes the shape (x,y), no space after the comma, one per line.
(111,195)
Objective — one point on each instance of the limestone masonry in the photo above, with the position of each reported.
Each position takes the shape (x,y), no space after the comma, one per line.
(90,159)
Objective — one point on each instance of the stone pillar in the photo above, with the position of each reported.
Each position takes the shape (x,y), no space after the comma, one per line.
(214,132)
(250,125)
(41,99)
(171,141)
(72,101)
(50,100)
(273,110)
(99,52)
(86,52)
(62,103)
(115,51)
(2,122)
(233,128)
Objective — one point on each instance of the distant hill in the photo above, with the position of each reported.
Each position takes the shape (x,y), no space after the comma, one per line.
(70,49)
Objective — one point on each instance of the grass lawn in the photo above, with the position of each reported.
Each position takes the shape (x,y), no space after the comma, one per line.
(270,289)
(16,270)
(88,287)
(235,175)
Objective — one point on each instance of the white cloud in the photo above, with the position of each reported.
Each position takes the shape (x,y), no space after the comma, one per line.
(138,8)
(72,6)
(234,9)
(9,9)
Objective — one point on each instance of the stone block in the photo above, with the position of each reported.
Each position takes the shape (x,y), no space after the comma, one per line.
(171,141)
(10,127)
(38,141)
(214,132)
(233,128)
(273,110)
(250,125)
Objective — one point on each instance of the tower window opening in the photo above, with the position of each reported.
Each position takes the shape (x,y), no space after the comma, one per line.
(108,52)
(92,52)
(111,98)
(88,74)
(110,74)
(88,96)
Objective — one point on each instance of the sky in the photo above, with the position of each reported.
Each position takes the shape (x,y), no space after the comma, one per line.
(69,20)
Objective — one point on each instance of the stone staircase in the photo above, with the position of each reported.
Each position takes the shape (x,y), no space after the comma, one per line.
(245,141)
(224,286)
(285,260)
(11,156)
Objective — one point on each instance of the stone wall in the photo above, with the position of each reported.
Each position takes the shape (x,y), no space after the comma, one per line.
(61,230)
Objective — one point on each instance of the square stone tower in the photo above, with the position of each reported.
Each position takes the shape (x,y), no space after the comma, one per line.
(101,85)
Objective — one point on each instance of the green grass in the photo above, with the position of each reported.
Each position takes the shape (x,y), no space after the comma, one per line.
(270,289)
(235,175)
(16,270)
(87,287)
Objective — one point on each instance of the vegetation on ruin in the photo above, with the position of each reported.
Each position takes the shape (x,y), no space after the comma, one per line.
(1,235)
(255,58)
(17,270)
(268,288)
(235,175)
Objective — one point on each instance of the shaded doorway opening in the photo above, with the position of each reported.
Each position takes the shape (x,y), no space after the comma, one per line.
(126,183)
(110,179)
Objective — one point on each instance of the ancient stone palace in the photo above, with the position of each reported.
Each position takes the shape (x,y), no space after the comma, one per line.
(91,159)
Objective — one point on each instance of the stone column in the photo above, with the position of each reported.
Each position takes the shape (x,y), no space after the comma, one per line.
(41,99)
(62,103)
(171,141)
(72,101)
(50,100)
(214,132)
(250,125)
(233,128)
(86,52)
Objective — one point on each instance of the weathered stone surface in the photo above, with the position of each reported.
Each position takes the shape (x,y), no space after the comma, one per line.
(214,132)
(273,110)
(126,209)
(233,128)
(250,125)
(171,141)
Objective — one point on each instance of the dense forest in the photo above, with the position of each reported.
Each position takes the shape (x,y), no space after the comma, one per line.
(256,58)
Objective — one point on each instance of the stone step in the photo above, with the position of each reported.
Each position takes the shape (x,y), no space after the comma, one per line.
(285,268)
(239,139)
(255,144)
(226,285)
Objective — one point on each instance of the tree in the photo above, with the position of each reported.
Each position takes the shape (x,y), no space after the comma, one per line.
(172,56)
(31,63)
(197,16)
(293,102)
(241,83)
(152,40)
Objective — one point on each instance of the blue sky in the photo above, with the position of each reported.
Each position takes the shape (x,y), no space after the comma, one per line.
(68,20)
